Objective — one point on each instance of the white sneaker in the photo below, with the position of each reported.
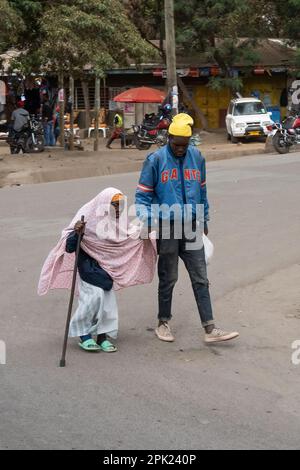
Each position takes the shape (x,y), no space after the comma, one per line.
(163,332)
(217,336)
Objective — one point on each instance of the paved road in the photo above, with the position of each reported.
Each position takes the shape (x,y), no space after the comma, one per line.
(152,395)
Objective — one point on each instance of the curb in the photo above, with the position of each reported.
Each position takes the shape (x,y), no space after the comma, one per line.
(225,155)
(109,168)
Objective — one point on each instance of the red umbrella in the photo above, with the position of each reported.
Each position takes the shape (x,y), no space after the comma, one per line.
(141,94)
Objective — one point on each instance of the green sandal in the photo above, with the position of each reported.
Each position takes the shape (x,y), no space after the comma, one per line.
(90,345)
(107,346)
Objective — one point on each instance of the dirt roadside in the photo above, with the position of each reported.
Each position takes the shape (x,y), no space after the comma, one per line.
(54,164)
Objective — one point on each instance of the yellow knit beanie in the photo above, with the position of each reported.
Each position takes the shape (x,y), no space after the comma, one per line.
(181,125)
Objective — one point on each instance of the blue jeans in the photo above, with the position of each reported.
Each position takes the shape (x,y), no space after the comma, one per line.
(49,134)
(169,252)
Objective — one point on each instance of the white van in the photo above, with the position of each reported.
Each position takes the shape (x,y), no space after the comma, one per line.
(247,117)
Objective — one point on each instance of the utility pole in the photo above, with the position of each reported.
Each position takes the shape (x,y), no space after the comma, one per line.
(171,54)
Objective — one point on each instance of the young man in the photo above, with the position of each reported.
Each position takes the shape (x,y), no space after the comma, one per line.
(176,175)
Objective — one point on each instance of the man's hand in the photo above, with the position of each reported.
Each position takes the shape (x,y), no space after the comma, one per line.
(79,227)
(205,228)
(144,233)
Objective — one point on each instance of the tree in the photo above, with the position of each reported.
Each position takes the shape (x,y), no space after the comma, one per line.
(97,34)
(288,13)
(76,33)
(148,17)
(67,35)
(11,26)
(212,28)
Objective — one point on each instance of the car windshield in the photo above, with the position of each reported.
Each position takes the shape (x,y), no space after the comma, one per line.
(244,109)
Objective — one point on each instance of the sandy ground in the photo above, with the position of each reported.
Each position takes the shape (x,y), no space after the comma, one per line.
(55,165)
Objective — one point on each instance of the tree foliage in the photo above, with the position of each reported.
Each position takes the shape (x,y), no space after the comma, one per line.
(148,17)
(67,35)
(213,28)
(11,25)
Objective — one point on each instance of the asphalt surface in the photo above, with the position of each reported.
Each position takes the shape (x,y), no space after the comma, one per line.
(152,395)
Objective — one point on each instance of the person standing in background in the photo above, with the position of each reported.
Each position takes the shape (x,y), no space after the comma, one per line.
(118,131)
(48,122)
(32,97)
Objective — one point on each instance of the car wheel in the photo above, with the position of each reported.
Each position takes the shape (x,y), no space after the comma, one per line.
(234,140)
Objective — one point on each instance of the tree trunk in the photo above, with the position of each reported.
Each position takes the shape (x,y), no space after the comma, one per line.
(194,105)
(160,26)
(97,110)
(61,110)
(71,98)
(85,89)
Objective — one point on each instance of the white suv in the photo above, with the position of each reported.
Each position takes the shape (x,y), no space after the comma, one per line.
(247,117)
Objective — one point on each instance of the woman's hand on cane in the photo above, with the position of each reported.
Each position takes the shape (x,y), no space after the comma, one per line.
(79,227)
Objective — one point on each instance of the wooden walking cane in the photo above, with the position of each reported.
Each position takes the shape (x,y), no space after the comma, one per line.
(63,357)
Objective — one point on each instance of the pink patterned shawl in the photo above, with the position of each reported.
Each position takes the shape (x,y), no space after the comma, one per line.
(127,259)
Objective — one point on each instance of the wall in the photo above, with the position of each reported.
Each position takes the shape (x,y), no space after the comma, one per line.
(267,86)
(214,104)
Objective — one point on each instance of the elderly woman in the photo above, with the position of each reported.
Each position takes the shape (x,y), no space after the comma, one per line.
(112,256)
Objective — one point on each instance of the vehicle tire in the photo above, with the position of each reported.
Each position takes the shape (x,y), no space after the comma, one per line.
(228,137)
(279,145)
(141,145)
(234,140)
(162,139)
(14,150)
(38,147)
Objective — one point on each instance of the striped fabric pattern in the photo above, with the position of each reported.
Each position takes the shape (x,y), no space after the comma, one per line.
(145,189)
(97,312)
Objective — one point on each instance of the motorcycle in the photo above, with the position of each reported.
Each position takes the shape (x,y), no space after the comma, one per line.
(148,134)
(286,134)
(30,139)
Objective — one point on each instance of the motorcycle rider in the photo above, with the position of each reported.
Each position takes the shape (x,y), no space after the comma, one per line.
(19,117)
(118,131)
(166,112)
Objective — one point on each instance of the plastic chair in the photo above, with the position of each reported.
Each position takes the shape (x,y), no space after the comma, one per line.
(103,129)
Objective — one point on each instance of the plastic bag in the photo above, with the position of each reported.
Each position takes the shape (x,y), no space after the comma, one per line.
(208,248)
